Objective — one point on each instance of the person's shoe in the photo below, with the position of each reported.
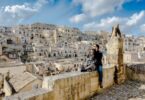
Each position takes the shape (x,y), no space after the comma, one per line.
(101,86)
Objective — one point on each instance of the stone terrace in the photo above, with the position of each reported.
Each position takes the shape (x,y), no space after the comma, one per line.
(130,90)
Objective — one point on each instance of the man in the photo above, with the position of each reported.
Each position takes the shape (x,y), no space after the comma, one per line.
(98,63)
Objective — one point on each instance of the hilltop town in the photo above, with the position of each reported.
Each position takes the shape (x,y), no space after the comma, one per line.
(28,53)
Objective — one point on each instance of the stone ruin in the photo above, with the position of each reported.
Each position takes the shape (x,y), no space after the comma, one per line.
(115,54)
(116,31)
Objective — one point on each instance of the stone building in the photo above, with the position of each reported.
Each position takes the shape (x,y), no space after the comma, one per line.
(49,41)
(6,30)
(134,48)
(134,44)
(0,49)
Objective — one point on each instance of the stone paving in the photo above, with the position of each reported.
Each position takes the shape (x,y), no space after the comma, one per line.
(130,90)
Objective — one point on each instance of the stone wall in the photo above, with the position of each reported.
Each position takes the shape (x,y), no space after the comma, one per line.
(68,86)
(38,94)
(136,72)
(0,50)
(1,81)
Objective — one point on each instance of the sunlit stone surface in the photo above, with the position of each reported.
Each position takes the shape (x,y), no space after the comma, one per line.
(130,90)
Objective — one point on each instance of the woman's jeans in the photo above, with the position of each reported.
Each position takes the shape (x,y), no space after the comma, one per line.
(100,73)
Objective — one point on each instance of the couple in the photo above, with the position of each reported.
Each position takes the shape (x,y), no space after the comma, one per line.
(94,62)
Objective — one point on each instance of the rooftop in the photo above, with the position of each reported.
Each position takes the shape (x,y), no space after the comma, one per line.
(21,80)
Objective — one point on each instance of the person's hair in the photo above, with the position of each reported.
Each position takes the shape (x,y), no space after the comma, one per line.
(93,53)
(97,46)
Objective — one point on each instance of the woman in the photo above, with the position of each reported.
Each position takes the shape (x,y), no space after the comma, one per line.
(89,65)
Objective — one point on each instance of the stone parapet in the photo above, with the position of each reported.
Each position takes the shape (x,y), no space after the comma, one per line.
(38,94)
(136,72)
(68,86)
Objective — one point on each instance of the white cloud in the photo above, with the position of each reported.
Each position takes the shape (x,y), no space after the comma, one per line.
(93,8)
(16,13)
(127,24)
(78,18)
(142,28)
(40,3)
(136,18)
(104,24)
(20,11)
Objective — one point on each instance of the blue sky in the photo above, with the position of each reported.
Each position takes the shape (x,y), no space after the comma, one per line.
(93,15)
